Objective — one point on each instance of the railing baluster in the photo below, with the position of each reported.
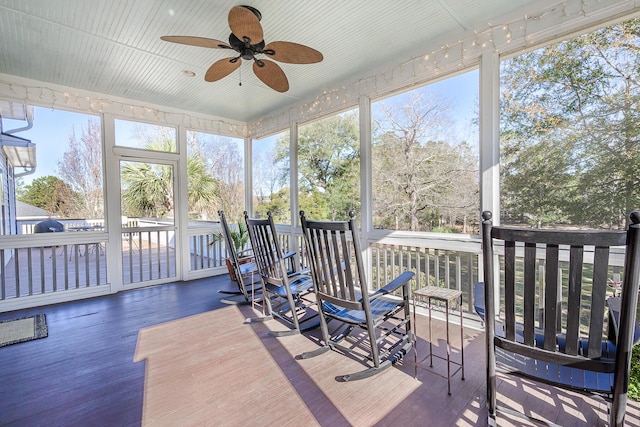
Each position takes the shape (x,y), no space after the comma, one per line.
(41,269)
(427,263)
(98,263)
(436,265)
(419,268)
(29,270)
(470,282)
(458,272)
(3,276)
(86,266)
(140,256)
(76,264)
(166,234)
(131,257)
(66,268)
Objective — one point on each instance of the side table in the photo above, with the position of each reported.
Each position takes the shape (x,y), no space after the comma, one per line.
(448,297)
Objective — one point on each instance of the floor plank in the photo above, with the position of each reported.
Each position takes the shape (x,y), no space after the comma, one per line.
(175,355)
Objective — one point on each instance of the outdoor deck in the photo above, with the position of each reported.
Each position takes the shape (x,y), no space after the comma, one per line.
(176,355)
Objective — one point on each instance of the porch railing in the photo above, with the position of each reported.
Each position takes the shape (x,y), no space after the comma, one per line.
(148,252)
(207,252)
(68,261)
(77,260)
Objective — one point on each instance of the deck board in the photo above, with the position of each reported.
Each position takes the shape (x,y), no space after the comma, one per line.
(175,355)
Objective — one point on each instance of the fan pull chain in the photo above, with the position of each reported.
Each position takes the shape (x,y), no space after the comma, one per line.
(240,68)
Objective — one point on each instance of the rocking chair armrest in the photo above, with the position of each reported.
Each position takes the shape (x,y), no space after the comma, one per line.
(393,285)
(245,253)
(614,320)
(288,255)
(298,272)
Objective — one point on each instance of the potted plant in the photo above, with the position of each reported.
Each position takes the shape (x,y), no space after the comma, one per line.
(240,237)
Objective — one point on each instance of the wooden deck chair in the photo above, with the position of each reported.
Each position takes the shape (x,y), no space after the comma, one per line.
(287,293)
(552,317)
(342,292)
(243,266)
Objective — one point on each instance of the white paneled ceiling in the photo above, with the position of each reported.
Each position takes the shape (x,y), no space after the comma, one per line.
(114,47)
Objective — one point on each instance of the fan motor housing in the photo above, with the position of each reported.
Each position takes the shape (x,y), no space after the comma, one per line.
(246,50)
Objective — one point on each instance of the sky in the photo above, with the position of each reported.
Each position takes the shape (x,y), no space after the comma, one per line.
(52,128)
(51,132)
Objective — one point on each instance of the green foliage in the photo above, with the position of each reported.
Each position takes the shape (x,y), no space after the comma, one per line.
(240,237)
(314,204)
(444,230)
(278,205)
(147,188)
(328,165)
(634,375)
(51,194)
(569,130)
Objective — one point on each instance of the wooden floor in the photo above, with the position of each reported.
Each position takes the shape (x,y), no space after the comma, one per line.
(175,355)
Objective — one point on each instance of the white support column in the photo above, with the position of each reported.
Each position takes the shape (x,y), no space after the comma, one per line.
(294,204)
(490,134)
(248,175)
(183,257)
(111,167)
(366,181)
(293,174)
(490,143)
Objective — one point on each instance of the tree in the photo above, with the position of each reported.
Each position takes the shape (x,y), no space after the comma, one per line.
(328,165)
(278,205)
(224,162)
(147,188)
(81,168)
(271,184)
(51,194)
(418,178)
(579,102)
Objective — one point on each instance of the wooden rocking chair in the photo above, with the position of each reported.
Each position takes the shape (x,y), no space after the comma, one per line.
(243,266)
(287,292)
(341,290)
(551,327)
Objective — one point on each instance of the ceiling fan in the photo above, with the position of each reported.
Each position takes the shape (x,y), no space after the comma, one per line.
(247,39)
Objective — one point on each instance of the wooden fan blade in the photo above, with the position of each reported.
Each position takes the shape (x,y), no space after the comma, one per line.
(244,23)
(197,41)
(272,75)
(293,53)
(221,68)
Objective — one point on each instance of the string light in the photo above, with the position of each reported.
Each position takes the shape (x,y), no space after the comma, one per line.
(50,97)
(447,58)
(519,33)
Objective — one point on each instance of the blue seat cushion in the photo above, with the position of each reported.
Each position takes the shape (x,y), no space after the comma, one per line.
(298,284)
(579,379)
(379,308)
(248,268)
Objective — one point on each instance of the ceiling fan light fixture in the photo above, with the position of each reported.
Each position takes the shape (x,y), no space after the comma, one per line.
(188,73)
(246,54)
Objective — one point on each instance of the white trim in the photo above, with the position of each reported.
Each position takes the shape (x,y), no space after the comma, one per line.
(181,206)
(489,93)
(248,175)
(294,188)
(453,52)
(366,182)
(111,188)
(54,297)
(49,95)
